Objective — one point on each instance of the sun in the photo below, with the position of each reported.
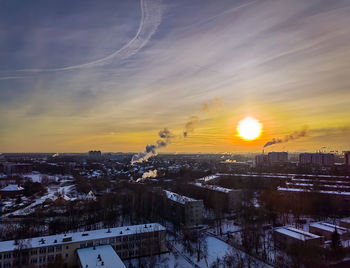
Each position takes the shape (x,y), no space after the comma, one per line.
(249,128)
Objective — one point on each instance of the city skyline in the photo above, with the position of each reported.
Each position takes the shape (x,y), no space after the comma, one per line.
(110,75)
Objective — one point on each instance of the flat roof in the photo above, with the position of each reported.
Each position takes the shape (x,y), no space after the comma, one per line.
(99,256)
(62,239)
(213,187)
(329,227)
(178,198)
(296,233)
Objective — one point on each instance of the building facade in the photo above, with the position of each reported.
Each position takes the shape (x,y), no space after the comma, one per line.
(316,159)
(128,242)
(183,209)
(287,236)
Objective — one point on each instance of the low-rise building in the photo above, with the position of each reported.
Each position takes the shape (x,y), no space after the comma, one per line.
(183,209)
(128,242)
(287,236)
(326,229)
(100,256)
(11,190)
(215,196)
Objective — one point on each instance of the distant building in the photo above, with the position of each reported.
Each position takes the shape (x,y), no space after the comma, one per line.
(316,159)
(183,209)
(128,242)
(11,169)
(215,196)
(99,256)
(277,157)
(347,158)
(287,236)
(326,229)
(261,160)
(11,190)
(95,155)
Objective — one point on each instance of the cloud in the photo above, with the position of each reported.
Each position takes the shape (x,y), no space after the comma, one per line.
(151,15)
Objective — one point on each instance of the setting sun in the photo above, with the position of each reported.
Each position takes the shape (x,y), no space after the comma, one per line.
(249,128)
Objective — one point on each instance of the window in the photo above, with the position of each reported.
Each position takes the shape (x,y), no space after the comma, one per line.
(67,247)
(34,260)
(7,264)
(50,258)
(42,259)
(51,249)
(7,255)
(42,250)
(58,248)
(66,255)
(82,245)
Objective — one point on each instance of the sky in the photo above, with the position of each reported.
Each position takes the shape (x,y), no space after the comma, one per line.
(110,74)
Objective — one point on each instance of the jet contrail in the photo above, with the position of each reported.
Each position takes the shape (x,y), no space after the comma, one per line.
(151,15)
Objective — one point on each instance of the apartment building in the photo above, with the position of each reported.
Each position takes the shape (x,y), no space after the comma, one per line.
(287,236)
(183,209)
(216,197)
(326,229)
(128,242)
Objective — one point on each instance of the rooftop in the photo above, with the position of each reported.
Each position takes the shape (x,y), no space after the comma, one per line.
(213,187)
(329,227)
(178,198)
(61,239)
(99,256)
(12,188)
(296,233)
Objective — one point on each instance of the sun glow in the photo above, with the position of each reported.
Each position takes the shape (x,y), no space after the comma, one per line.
(249,128)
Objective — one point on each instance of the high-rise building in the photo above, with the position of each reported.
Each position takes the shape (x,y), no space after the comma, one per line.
(277,157)
(316,159)
(347,158)
(95,155)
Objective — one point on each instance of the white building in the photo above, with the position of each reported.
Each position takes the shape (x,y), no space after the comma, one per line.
(100,256)
(128,242)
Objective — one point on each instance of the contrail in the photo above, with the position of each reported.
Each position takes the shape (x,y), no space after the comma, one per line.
(293,136)
(151,15)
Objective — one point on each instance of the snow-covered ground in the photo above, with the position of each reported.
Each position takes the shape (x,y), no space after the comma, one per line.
(53,193)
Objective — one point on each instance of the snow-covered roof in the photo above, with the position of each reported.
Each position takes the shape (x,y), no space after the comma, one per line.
(329,227)
(12,188)
(296,233)
(213,187)
(99,256)
(312,191)
(178,198)
(347,220)
(68,238)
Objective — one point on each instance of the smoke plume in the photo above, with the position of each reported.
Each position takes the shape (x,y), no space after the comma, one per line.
(217,103)
(293,136)
(191,125)
(151,149)
(148,174)
(206,107)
